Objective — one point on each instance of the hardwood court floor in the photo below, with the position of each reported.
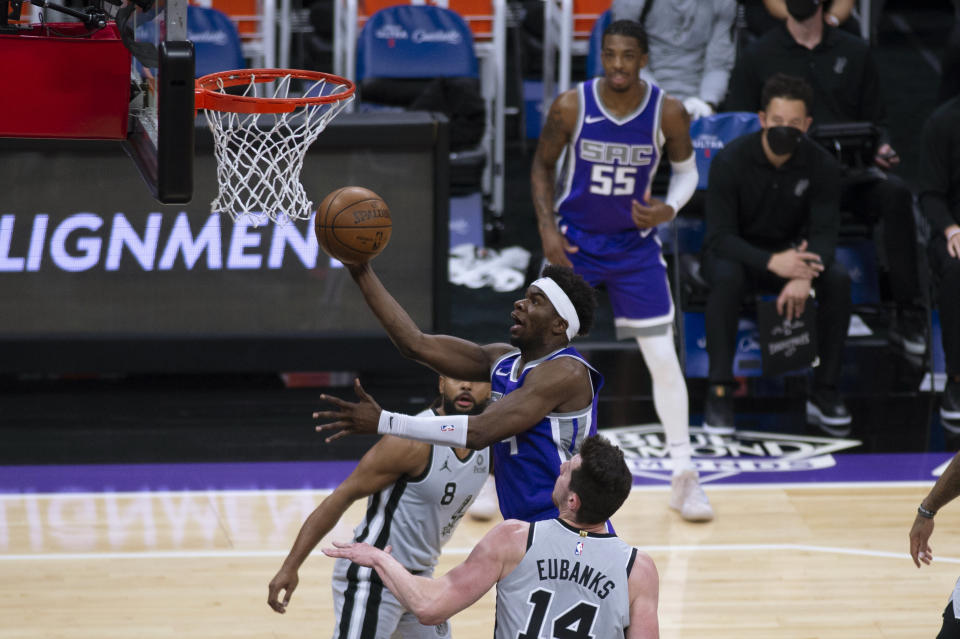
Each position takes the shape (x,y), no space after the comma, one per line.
(780,561)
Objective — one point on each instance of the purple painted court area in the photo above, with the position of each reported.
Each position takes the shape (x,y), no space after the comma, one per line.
(326,475)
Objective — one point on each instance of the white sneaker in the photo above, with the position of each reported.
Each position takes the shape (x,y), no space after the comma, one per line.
(687,497)
(485,507)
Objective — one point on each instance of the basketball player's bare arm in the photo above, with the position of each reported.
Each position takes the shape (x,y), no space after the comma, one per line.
(556,134)
(433,601)
(675,124)
(644,587)
(447,355)
(382,465)
(945,490)
(560,385)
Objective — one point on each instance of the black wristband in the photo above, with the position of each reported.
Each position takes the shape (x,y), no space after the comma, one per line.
(923,512)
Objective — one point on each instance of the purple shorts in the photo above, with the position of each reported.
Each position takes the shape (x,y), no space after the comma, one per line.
(631,267)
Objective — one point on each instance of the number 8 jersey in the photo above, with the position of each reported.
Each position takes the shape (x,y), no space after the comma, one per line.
(609,162)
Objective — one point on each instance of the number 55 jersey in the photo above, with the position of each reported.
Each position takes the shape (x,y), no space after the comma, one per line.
(609,162)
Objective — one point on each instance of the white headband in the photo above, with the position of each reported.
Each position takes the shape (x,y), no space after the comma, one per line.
(561,303)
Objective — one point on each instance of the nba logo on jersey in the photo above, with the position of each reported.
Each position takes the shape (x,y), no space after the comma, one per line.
(579,549)
(445,428)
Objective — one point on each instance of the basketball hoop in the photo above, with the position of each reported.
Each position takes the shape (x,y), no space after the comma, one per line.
(260,142)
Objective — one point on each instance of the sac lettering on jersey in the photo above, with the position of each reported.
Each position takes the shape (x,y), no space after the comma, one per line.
(615,153)
(610,162)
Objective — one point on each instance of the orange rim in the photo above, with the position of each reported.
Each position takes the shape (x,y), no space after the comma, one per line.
(207,94)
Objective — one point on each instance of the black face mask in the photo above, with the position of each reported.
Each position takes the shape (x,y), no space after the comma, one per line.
(802,9)
(783,140)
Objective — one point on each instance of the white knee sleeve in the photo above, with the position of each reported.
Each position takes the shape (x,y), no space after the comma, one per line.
(669,394)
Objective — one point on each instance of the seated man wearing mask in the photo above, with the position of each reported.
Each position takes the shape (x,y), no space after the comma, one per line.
(772,225)
(844,75)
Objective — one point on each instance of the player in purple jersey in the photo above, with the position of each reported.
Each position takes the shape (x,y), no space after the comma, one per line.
(526,463)
(545,414)
(602,222)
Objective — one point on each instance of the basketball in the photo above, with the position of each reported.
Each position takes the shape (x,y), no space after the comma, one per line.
(353,224)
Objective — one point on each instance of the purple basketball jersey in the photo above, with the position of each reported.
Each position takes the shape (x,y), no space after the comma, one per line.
(609,162)
(527,465)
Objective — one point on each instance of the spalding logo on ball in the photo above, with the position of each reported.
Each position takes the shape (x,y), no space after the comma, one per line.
(353,224)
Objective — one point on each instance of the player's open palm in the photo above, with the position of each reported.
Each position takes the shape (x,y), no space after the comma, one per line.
(350,417)
(920,550)
(285,581)
(357,552)
(556,247)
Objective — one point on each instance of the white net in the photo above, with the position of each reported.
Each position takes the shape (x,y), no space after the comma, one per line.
(260,155)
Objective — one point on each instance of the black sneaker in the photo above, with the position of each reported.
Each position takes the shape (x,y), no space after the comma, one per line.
(950,402)
(908,329)
(718,411)
(825,409)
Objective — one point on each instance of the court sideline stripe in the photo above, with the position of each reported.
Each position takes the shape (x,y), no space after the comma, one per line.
(327,491)
(234,554)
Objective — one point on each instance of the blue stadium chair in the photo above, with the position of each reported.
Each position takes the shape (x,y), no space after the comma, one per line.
(709,135)
(216,42)
(415,41)
(594,64)
(712,133)
(403,51)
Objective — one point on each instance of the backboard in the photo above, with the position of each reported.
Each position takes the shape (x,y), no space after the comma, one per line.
(104,70)
(160,137)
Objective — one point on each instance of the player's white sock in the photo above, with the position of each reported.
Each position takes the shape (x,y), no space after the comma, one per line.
(669,395)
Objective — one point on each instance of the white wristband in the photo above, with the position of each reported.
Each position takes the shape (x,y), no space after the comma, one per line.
(952,233)
(442,430)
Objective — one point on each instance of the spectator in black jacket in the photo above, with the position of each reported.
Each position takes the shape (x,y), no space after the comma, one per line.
(846,87)
(940,202)
(772,224)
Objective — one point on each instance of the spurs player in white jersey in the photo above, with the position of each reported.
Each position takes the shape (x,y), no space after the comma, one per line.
(416,494)
(555,578)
